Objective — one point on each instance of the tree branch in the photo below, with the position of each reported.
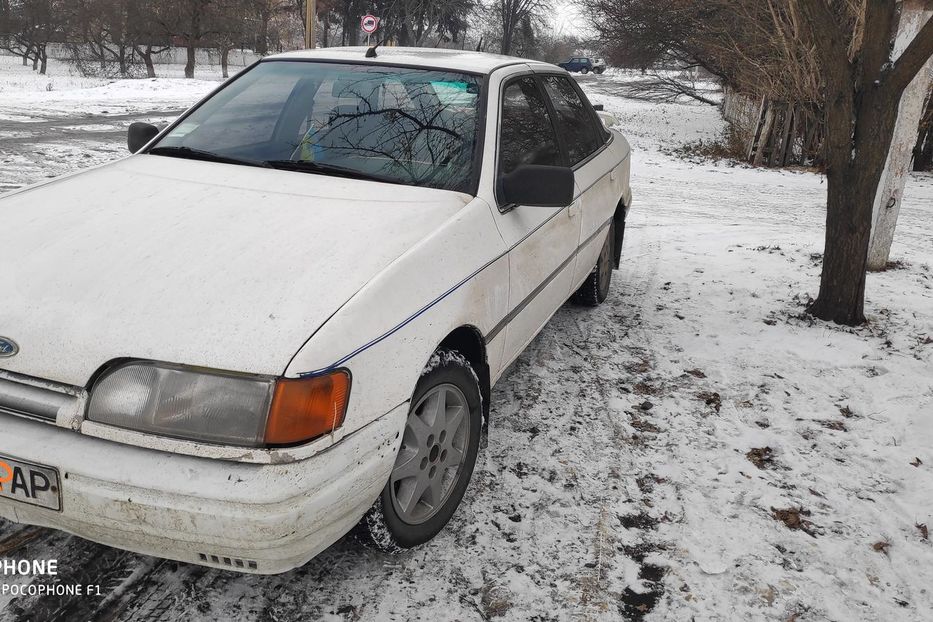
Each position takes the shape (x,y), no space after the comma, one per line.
(825,33)
(912,60)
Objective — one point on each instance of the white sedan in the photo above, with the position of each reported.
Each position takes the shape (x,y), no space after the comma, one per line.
(282,316)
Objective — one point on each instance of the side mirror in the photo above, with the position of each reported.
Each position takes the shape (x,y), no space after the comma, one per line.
(139,135)
(598,107)
(539,186)
(609,121)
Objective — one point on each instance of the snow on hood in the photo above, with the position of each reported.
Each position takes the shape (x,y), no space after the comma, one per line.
(192,262)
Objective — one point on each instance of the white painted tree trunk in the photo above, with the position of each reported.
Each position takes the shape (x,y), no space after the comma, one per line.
(891,189)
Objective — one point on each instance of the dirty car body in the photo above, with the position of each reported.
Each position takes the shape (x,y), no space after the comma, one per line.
(209,355)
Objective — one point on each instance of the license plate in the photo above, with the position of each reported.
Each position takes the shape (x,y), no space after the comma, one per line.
(29,483)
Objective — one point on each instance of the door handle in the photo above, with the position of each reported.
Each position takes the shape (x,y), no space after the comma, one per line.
(574,208)
(612,175)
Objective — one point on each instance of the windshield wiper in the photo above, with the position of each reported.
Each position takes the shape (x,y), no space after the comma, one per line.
(307,166)
(207,156)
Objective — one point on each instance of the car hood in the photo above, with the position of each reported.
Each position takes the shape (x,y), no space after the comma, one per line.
(198,263)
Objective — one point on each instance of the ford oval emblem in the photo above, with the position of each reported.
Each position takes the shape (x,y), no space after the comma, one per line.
(8,348)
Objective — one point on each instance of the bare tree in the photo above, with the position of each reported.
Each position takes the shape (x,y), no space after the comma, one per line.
(28,26)
(99,34)
(836,53)
(863,87)
(189,22)
(147,32)
(512,14)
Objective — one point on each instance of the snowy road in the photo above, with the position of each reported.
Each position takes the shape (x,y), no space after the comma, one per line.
(47,145)
(636,452)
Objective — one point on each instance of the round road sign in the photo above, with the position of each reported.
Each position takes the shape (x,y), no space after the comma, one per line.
(369,23)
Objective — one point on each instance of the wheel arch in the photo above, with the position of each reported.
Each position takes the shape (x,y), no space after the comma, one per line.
(469,341)
(619,219)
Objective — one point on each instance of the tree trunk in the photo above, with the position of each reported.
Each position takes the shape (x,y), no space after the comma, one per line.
(910,110)
(262,42)
(224,58)
(189,65)
(923,152)
(193,39)
(842,283)
(855,162)
(506,47)
(147,59)
(25,59)
(43,58)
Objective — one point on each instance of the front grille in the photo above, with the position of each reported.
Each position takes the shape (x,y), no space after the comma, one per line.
(36,399)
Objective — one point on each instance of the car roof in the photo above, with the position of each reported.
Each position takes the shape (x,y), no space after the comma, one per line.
(434,58)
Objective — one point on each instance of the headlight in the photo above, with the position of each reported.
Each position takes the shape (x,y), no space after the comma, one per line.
(219,407)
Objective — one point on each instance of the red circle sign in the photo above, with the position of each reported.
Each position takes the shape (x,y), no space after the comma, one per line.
(369,23)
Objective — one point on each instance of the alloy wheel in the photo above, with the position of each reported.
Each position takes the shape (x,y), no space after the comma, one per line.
(430,461)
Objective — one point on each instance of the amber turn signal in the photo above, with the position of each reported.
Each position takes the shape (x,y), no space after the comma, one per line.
(305,408)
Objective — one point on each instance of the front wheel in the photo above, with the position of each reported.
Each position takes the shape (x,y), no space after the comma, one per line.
(595,288)
(436,458)
(584,71)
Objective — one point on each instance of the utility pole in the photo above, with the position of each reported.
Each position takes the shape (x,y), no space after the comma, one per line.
(310,22)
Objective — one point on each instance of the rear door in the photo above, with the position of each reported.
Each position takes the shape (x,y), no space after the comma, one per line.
(542,240)
(585,140)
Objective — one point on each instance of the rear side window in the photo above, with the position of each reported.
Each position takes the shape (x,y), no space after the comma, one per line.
(526,134)
(574,120)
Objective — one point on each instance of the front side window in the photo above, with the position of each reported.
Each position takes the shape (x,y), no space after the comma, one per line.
(395,124)
(526,134)
(574,121)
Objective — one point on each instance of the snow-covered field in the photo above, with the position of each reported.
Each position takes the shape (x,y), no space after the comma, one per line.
(696,448)
(62,121)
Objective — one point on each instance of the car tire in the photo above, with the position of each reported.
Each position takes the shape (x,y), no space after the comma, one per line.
(398,520)
(584,71)
(595,288)
(599,70)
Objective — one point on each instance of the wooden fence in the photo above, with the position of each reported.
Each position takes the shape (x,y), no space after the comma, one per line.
(774,133)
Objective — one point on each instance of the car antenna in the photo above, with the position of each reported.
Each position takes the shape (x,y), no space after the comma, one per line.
(371,52)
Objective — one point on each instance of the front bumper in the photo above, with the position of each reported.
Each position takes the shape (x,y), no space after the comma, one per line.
(259,518)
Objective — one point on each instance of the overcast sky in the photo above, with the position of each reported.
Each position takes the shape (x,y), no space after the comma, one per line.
(566,18)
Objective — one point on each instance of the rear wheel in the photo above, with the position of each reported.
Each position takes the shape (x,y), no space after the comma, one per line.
(436,458)
(584,71)
(595,288)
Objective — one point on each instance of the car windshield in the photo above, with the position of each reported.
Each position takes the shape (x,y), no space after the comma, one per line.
(395,124)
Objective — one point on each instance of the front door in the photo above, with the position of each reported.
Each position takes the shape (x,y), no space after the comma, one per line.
(542,240)
(584,140)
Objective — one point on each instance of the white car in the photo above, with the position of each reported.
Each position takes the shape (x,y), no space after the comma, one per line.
(282,316)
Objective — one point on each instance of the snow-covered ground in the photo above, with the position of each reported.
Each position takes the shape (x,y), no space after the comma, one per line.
(695,448)
(62,121)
